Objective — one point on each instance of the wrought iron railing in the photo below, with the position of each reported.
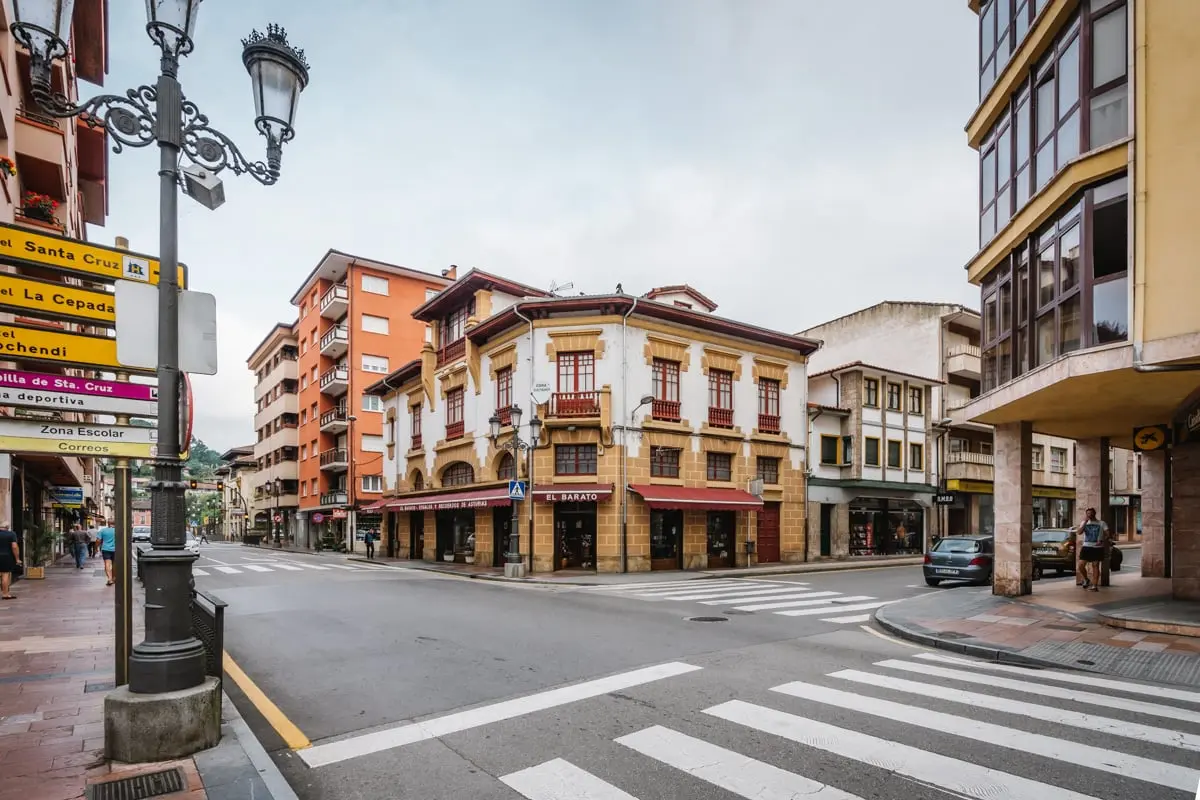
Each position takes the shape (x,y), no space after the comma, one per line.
(208,625)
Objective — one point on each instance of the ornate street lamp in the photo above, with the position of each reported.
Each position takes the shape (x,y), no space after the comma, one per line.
(170,658)
(514,566)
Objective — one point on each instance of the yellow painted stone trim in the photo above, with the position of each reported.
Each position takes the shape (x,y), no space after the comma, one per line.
(428,368)
(452,453)
(682,427)
(416,397)
(473,367)
(678,441)
(483,304)
(455,378)
(668,349)
(503,358)
(722,433)
(722,360)
(771,370)
(769,450)
(575,341)
(679,331)
(723,446)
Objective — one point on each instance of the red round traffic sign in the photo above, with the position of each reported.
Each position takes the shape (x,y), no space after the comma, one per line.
(278,517)
(318,517)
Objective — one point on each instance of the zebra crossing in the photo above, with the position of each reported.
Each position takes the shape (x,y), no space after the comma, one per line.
(785,599)
(1091,755)
(281,566)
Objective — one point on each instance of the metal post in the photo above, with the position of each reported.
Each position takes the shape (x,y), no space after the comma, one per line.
(170,658)
(351,514)
(122,572)
(514,535)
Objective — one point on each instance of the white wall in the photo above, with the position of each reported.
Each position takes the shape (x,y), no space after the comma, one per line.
(900,336)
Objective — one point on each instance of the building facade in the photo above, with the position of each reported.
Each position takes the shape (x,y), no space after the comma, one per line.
(275,494)
(654,417)
(1085,268)
(354,326)
(237,473)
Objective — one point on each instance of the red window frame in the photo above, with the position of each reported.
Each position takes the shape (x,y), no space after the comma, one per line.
(664,462)
(768,397)
(665,380)
(575,459)
(504,394)
(576,372)
(460,473)
(454,406)
(507,468)
(718,465)
(720,389)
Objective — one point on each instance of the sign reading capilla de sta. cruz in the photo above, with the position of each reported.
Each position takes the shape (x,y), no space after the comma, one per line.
(72,255)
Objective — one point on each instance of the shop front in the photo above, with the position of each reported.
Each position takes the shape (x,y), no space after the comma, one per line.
(462,524)
(884,526)
(576,523)
(697,528)
(1053,507)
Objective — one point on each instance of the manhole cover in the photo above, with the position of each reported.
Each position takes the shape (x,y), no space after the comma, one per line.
(138,787)
(707,619)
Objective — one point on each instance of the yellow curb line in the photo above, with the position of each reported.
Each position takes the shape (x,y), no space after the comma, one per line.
(287,730)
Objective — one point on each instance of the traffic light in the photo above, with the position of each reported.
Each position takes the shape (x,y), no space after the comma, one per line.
(220,486)
(194,484)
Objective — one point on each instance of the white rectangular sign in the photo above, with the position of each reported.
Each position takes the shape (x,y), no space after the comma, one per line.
(85,431)
(61,401)
(137,328)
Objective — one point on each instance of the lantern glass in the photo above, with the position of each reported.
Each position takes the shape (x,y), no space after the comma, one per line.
(172,24)
(278,74)
(514,414)
(494,427)
(43,26)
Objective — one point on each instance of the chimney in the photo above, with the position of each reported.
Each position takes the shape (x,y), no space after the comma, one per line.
(121,243)
(451,273)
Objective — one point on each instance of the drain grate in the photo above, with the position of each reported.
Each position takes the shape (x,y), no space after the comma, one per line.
(138,787)
(707,619)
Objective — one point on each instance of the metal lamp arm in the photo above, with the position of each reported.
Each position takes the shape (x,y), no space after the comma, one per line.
(128,118)
(215,151)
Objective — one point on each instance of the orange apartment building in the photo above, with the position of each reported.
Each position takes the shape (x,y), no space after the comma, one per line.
(354,326)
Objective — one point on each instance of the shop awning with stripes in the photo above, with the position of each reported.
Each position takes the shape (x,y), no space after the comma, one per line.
(681,497)
(573,493)
(449,501)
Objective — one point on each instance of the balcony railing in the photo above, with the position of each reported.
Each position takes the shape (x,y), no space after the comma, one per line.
(333,416)
(504,415)
(334,458)
(455,430)
(335,335)
(964,350)
(963,457)
(335,375)
(334,499)
(417,441)
(666,410)
(767,423)
(720,417)
(575,404)
(455,351)
(339,293)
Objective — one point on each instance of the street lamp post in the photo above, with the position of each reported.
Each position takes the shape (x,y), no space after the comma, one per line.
(514,567)
(351,511)
(277,517)
(170,658)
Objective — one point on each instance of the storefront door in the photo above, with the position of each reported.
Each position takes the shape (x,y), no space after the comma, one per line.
(501,529)
(722,527)
(416,534)
(827,529)
(392,544)
(768,533)
(444,535)
(575,536)
(666,539)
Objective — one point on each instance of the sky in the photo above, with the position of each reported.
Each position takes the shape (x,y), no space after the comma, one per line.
(794,160)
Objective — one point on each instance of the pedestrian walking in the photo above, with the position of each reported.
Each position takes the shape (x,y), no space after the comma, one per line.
(93,543)
(10,562)
(369,538)
(108,550)
(79,543)
(1093,548)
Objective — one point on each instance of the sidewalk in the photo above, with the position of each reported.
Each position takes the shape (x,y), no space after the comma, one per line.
(56,665)
(1059,626)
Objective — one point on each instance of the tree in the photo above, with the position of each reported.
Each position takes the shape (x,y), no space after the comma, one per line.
(202,504)
(202,460)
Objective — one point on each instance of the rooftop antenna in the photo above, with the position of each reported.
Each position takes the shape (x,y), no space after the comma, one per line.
(556,287)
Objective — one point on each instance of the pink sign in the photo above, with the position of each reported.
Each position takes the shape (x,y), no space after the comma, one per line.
(72,385)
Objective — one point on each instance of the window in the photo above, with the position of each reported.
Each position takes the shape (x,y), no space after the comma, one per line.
(576,372)
(682,304)
(664,462)
(372,483)
(893,397)
(916,456)
(375,364)
(871,392)
(768,405)
(374,284)
(1058,459)
(391,426)
(418,482)
(1037,456)
(504,395)
(372,402)
(1108,111)
(454,413)
(871,451)
(893,454)
(916,400)
(304,490)
(507,469)
(829,449)
(720,398)
(460,473)
(720,467)
(303,452)
(414,425)
(303,416)
(847,450)
(454,325)
(958,445)
(768,470)
(575,459)
(430,294)
(372,443)
(303,382)
(372,324)
(664,385)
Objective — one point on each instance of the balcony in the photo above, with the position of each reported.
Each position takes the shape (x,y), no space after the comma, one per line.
(41,154)
(767,423)
(720,417)
(965,466)
(334,420)
(286,403)
(336,301)
(334,499)
(286,369)
(335,460)
(504,415)
(335,342)
(963,361)
(417,441)
(336,381)
(665,410)
(575,404)
(455,351)
(455,430)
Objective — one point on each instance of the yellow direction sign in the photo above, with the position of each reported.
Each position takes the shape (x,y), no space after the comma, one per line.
(57,299)
(20,343)
(59,252)
(78,447)
(77,438)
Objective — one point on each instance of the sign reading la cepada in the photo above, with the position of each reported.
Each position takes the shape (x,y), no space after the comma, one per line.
(71,255)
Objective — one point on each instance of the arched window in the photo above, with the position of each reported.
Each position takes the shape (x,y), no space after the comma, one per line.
(418,482)
(507,469)
(459,473)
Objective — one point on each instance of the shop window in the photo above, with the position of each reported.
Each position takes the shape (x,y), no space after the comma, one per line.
(1058,459)
(507,469)
(459,473)
(894,454)
(829,449)
(893,397)
(719,467)
(575,459)
(1037,457)
(768,470)
(870,393)
(916,457)
(664,462)
(870,451)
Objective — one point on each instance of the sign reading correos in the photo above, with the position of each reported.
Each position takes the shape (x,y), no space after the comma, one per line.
(73,255)
(74,438)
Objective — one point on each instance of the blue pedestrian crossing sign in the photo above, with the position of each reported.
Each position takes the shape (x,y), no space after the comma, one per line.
(516,490)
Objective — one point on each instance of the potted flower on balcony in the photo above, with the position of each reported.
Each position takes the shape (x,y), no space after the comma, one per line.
(40,207)
(7,167)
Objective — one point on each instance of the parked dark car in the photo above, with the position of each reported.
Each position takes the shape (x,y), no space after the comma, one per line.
(1054,548)
(959,558)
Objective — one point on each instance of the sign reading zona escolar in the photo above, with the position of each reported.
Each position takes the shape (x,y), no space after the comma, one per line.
(59,252)
(77,438)
(20,343)
(57,299)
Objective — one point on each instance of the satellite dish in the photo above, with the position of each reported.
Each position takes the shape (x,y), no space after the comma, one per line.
(540,393)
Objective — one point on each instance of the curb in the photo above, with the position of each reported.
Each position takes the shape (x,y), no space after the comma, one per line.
(277,786)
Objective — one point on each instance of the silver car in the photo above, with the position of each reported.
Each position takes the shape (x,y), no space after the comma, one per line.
(959,558)
(141,533)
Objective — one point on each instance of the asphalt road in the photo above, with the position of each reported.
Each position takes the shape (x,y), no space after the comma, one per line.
(415,685)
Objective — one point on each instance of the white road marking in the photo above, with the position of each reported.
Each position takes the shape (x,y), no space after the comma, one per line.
(736,773)
(288,567)
(626,587)
(808,612)
(1075,719)
(774,597)
(562,780)
(1074,753)
(853,618)
(961,778)
(198,571)
(314,566)
(892,639)
(257,568)
(230,570)
(344,566)
(732,592)
(713,586)
(355,746)
(1071,677)
(1061,693)
(826,600)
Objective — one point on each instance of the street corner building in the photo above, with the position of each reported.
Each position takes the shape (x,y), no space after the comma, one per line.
(1087,232)
(663,436)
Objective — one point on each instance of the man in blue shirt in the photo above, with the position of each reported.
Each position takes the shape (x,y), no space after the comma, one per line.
(108,549)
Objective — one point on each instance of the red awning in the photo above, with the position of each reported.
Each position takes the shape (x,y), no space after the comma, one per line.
(480,498)
(573,493)
(701,499)
(378,505)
